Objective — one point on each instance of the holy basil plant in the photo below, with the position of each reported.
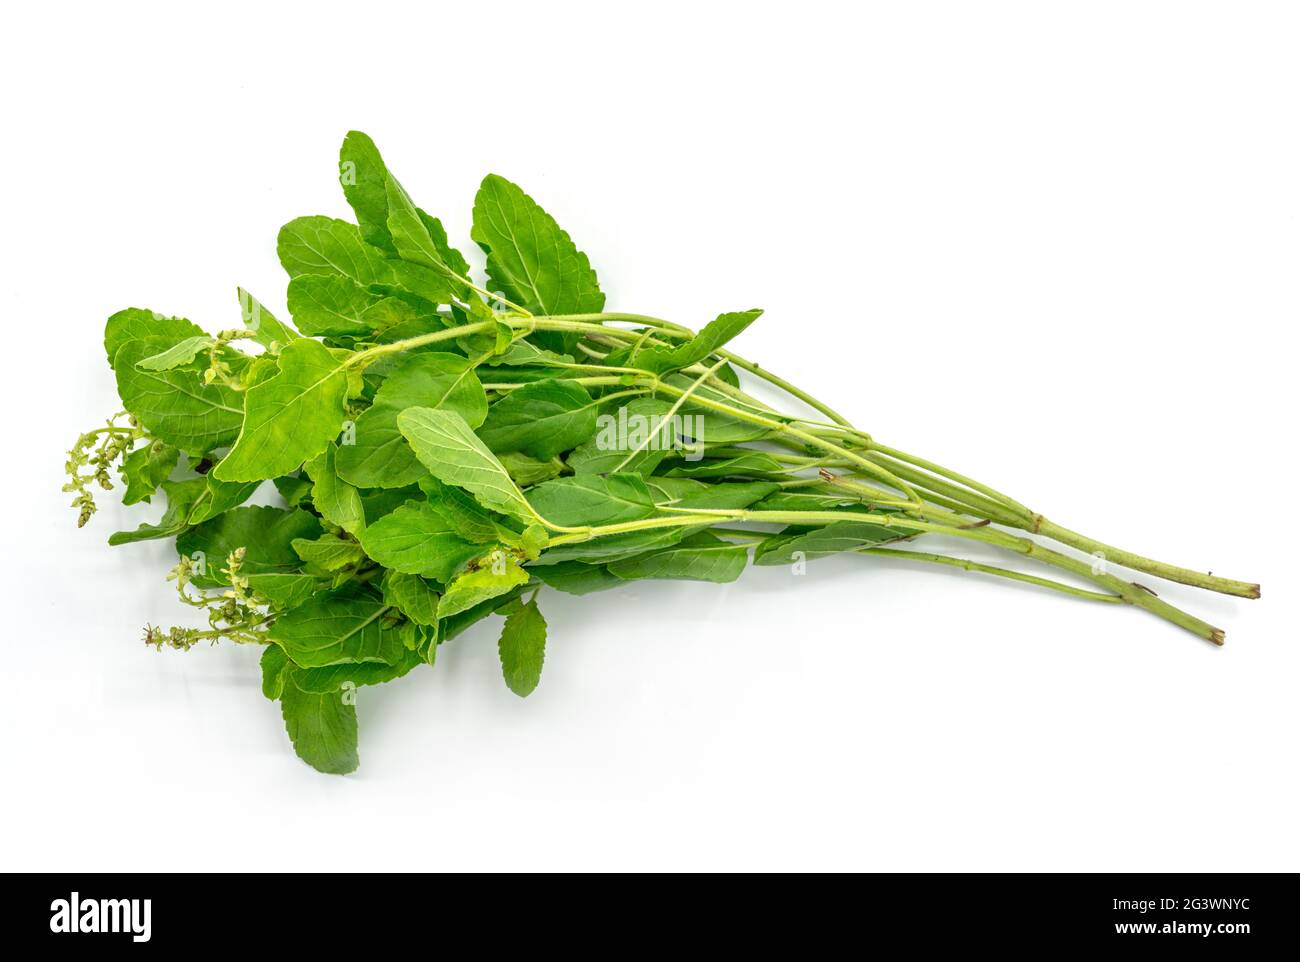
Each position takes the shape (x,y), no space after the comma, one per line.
(441,447)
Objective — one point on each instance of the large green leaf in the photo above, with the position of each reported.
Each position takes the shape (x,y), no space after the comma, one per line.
(634,439)
(612,547)
(284,589)
(412,596)
(176,405)
(275,665)
(418,539)
(462,513)
(576,577)
(593,499)
(387,217)
(522,648)
(789,546)
(345,626)
(136,323)
(340,678)
(530,259)
(289,418)
(328,553)
(266,534)
(447,382)
(218,497)
(701,557)
(269,331)
(190,501)
(377,455)
(330,305)
(541,419)
(453,453)
(322,726)
(716,333)
(338,502)
(421,240)
(363,177)
(323,245)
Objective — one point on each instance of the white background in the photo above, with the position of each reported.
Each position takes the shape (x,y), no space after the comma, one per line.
(1054,246)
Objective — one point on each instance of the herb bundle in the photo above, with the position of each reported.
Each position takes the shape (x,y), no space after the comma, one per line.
(444,451)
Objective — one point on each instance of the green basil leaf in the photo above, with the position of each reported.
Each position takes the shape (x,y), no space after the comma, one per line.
(593,499)
(497,574)
(321,726)
(453,453)
(181,496)
(575,577)
(330,305)
(522,648)
(447,382)
(363,177)
(627,430)
(289,418)
(541,419)
(266,534)
(328,553)
(137,323)
(345,626)
(781,549)
(529,258)
(176,406)
(178,355)
(708,341)
(701,557)
(338,502)
(268,330)
(412,596)
(145,468)
(417,539)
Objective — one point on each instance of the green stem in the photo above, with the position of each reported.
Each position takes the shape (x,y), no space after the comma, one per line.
(1035,523)
(1127,559)
(780,427)
(654,432)
(966,565)
(951,475)
(1132,593)
(379,350)
(981,505)
(737,360)
(592,323)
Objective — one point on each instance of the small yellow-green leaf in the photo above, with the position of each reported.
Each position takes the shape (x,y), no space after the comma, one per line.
(496,575)
(180,353)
